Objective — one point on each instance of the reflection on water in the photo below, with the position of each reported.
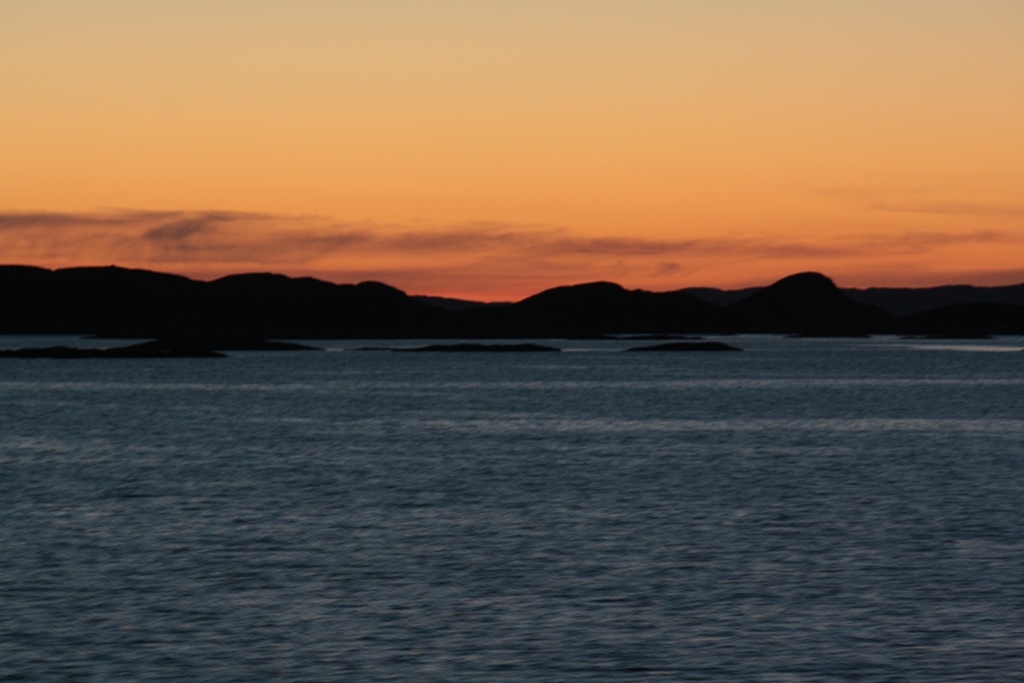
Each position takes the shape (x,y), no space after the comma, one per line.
(808,510)
(542,426)
(966,347)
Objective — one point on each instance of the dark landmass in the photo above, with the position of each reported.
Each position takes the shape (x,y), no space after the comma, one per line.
(807,303)
(966,320)
(471,348)
(656,337)
(268,345)
(465,348)
(143,350)
(450,304)
(899,301)
(719,297)
(945,336)
(827,335)
(160,348)
(590,311)
(133,304)
(687,346)
(137,304)
(233,344)
(908,301)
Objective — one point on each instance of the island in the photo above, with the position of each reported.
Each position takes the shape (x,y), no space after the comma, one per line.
(464,348)
(687,346)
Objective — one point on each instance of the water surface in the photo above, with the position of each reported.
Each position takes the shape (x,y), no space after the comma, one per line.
(807,510)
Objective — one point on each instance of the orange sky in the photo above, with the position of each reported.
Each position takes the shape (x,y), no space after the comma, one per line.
(491,149)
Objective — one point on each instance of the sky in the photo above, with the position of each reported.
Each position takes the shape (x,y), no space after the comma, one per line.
(489,150)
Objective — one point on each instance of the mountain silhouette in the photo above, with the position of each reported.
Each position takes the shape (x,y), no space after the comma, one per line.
(120,302)
(719,297)
(966,320)
(592,310)
(907,301)
(90,300)
(899,301)
(240,311)
(806,303)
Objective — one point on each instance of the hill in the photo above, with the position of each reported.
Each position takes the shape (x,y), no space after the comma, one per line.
(120,302)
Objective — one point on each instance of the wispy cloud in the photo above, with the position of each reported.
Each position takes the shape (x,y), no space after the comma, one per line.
(905,199)
(225,236)
(179,230)
(424,257)
(128,218)
(952,208)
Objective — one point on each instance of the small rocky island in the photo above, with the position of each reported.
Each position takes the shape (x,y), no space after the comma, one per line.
(159,348)
(687,346)
(465,348)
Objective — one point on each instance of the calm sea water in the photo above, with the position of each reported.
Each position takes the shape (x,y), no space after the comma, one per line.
(807,510)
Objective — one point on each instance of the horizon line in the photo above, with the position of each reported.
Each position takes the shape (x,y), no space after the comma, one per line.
(480,301)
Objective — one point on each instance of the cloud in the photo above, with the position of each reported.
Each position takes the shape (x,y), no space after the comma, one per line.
(226,237)
(125,218)
(43,220)
(667,268)
(522,257)
(896,199)
(951,208)
(295,235)
(178,230)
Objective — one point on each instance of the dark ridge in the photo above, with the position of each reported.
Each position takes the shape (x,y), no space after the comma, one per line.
(121,303)
(591,311)
(720,297)
(687,346)
(908,301)
(806,303)
(450,304)
(966,320)
(117,302)
(898,301)
(655,337)
(828,335)
(265,305)
(89,300)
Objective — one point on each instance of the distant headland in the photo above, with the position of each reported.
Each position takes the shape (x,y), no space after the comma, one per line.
(139,304)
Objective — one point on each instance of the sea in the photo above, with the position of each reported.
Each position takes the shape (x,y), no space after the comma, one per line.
(803,510)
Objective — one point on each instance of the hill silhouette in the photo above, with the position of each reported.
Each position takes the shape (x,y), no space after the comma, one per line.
(899,301)
(806,303)
(591,310)
(240,310)
(966,320)
(120,302)
(908,301)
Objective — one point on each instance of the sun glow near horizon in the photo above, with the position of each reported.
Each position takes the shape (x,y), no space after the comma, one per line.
(490,150)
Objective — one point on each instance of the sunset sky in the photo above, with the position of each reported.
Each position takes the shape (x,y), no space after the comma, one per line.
(491,148)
